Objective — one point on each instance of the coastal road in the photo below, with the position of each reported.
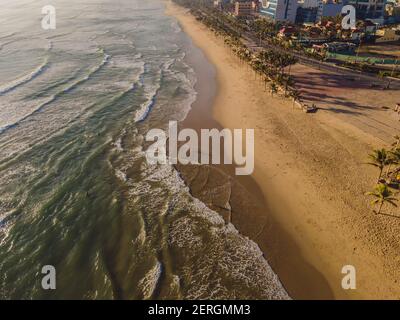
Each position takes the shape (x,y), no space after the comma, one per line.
(251,42)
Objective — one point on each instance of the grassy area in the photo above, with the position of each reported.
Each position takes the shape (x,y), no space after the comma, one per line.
(362,59)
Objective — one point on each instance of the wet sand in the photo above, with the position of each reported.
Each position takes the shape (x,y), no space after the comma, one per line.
(304,205)
(217,186)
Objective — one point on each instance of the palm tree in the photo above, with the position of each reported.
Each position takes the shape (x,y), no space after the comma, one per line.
(274,88)
(382,194)
(396,144)
(257,67)
(379,158)
(265,82)
(295,94)
(383,75)
(394,157)
(394,153)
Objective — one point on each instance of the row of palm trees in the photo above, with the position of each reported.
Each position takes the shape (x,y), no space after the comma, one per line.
(269,64)
(388,164)
(267,33)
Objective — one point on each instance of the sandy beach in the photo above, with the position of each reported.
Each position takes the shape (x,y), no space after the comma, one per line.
(306,207)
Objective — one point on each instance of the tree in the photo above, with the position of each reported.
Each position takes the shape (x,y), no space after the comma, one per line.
(397,142)
(257,67)
(379,158)
(394,158)
(295,94)
(384,74)
(274,88)
(382,194)
(265,82)
(289,82)
(394,153)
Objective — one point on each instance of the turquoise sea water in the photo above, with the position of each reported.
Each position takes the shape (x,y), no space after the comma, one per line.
(76,191)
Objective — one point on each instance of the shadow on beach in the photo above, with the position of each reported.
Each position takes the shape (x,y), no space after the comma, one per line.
(240,200)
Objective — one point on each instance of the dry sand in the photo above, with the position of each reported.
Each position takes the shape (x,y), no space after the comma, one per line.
(311,173)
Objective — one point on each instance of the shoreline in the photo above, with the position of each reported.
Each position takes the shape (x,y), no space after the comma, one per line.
(311,223)
(245,196)
(249,203)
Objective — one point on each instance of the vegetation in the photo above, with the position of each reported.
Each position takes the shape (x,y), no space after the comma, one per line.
(274,89)
(265,33)
(379,158)
(382,195)
(269,64)
(388,164)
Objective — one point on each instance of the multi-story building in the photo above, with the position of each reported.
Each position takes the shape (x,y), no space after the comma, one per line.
(368,9)
(393,12)
(279,10)
(243,9)
(309,3)
(306,14)
(307,11)
(329,8)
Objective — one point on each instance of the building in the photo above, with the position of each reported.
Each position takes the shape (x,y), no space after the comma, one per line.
(309,3)
(393,9)
(356,34)
(340,47)
(279,10)
(287,32)
(306,14)
(393,12)
(369,9)
(329,8)
(255,5)
(387,35)
(243,9)
(218,4)
(307,11)
(369,26)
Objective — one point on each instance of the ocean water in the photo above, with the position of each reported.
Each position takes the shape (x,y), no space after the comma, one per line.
(76,191)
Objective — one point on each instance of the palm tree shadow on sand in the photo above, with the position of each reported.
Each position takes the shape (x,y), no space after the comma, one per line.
(387,214)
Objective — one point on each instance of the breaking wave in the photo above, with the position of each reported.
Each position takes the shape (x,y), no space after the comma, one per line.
(25,78)
(74,85)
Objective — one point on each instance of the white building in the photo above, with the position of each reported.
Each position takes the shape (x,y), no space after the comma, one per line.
(279,10)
